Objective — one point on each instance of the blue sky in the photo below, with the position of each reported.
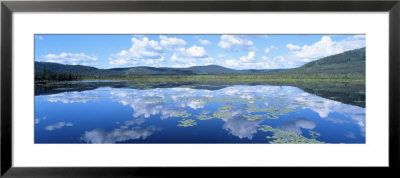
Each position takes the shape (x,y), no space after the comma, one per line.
(232,51)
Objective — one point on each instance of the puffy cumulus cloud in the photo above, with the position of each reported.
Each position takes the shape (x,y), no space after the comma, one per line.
(142,49)
(187,57)
(58,125)
(182,61)
(235,42)
(324,47)
(204,42)
(249,57)
(72,97)
(171,42)
(194,52)
(117,135)
(70,58)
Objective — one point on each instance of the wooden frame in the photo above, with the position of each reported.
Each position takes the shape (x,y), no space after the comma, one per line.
(8,7)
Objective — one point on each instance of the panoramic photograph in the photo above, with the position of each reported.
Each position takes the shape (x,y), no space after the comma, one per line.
(199,88)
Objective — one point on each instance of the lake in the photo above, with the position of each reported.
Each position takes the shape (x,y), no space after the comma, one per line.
(116,112)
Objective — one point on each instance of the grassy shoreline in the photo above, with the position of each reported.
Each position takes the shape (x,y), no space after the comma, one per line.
(235,78)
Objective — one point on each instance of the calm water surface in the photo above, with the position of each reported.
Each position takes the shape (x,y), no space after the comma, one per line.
(232,114)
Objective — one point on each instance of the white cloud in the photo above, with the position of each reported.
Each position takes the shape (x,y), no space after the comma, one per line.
(176,58)
(195,51)
(58,125)
(208,59)
(70,58)
(280,59)
(204,42)
(221,55)
(232,63)
(267,50)
(265,58)
(171,42)
(325,47)
(122,62)
(249,57)
(188,57)
(142,48)
(235,42)
(292,47)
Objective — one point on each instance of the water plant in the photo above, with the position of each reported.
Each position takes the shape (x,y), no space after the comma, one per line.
(181,114)
(253,117)
(314,134)
(204,117)
(187,123)
(225,108)
(284,137)
(222,115)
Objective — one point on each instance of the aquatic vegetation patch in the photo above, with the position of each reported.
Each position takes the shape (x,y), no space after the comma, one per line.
(253,117)
(187,123)
(314,134)
(291,138)
(226,108)
(204,117)
(266,128)
(271,116)
(284,137)
(222,115)
(181,114)
(271,111)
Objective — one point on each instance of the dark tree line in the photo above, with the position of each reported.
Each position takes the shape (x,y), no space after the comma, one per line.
(47,75)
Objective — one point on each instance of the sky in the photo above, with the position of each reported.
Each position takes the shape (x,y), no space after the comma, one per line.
(165,50)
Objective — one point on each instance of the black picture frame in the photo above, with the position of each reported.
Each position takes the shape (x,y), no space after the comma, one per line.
(8,7)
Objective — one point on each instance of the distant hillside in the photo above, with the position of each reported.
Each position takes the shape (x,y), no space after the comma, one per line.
(352,61)
(140,70)
(72,69)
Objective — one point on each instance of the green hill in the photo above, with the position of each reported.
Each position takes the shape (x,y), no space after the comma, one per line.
(352,61)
